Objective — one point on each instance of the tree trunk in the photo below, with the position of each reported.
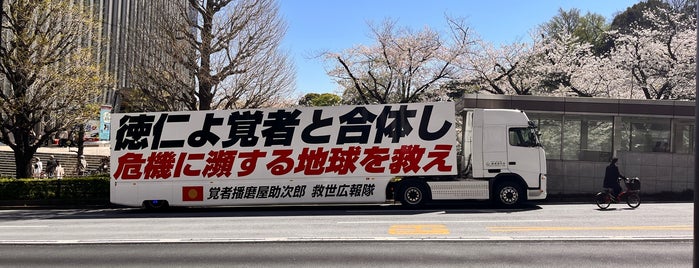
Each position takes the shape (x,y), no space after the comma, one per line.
(80,142)
(23,164)
(24,152)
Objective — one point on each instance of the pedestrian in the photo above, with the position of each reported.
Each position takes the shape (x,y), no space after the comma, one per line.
(63,138)
(82,166)
(38,167)
(60,172)
(51,166)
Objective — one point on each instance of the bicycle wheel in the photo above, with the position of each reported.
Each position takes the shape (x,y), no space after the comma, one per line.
(603,200)
(633,200)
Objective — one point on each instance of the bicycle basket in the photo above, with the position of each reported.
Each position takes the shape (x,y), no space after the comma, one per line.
(634,184)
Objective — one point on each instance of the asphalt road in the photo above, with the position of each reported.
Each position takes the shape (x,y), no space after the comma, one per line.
(654,235)
(354,254)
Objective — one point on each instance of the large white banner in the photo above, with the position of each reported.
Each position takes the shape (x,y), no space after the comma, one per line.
(303,142)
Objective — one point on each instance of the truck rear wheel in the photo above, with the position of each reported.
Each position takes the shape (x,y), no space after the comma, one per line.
(413,195)
(509,194)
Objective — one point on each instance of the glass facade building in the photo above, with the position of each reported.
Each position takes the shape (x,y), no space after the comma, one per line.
(127,27)
(653,139)
(124,38)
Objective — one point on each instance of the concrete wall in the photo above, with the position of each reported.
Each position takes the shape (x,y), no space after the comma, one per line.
(659,172)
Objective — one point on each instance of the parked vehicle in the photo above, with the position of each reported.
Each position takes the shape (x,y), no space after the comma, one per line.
(319,155)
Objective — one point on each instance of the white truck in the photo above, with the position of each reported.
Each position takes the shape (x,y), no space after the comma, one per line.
(325,155)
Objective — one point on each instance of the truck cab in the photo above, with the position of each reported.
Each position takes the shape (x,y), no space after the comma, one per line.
(500,159)
(502,146)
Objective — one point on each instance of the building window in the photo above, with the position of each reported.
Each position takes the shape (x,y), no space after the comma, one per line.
(646,135)
(550,127)
(683,137)
(587,138)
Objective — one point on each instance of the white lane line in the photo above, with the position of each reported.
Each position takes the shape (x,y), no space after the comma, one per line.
(401,222)
(24,226)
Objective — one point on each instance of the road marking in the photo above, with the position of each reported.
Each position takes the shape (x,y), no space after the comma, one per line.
(418,229)
(24,226)
(394,221)
(591,228)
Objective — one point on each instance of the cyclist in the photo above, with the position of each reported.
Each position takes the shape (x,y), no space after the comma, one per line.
(611,177)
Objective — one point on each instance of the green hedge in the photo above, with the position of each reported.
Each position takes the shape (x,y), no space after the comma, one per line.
(73,189)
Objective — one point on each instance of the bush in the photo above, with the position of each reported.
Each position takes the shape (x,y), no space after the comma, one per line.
(79,189)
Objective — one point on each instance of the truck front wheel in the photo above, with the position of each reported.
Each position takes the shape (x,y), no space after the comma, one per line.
(413,195)
(156,204)
(509,194)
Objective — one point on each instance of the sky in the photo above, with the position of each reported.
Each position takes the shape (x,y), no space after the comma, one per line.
(316,26)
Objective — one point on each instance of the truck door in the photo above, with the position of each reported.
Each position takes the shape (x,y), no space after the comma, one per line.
(494,149)
(523,154)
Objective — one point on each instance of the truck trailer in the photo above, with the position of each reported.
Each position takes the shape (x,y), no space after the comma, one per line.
(409,153)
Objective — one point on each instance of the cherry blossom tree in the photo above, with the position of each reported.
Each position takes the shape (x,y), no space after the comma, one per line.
(561,66)
(653,60)
(402,66)
(568,67)
(562,60)
(658,60)
(504,70)
(573,55)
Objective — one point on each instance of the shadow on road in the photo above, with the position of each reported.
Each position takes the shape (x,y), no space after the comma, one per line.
(451,207)
(615,209)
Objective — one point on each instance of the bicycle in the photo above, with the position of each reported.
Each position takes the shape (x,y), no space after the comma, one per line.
(631,196)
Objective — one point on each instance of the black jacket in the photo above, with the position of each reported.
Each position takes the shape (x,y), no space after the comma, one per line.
(611,175)
(51,165)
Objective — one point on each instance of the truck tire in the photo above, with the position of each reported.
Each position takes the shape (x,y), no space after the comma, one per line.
(509,194)
(155,204)
(413,195)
